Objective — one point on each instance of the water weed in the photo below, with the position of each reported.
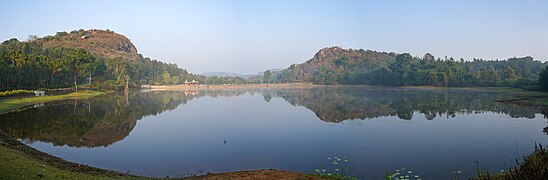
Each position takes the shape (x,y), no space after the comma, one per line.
(337,168)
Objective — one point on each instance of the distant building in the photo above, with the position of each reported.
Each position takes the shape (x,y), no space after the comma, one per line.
(145,87)
(193,82)
(39,93)
(193,93)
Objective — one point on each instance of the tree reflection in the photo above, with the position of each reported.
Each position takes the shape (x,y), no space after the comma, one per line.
(97,122)
(350,103)
(107,119)
(100,121)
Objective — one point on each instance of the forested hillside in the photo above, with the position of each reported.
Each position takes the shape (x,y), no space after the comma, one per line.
(109,60)
(93,57)
(335,65)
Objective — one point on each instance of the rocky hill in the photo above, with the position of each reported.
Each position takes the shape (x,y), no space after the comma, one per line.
(102,43)
(334,61)
(335,65)
(334,57)
(109,59)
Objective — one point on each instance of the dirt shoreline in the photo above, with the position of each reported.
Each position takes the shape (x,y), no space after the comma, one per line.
(234,86)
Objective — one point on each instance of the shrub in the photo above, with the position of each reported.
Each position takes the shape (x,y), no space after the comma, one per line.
(109,85)
(15,92)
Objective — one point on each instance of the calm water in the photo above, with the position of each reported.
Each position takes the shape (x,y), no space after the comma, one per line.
(431,132)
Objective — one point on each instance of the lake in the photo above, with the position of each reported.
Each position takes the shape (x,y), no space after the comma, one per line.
(435,133)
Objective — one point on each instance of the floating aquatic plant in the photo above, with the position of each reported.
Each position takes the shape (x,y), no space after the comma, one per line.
(339,168)
(402,174)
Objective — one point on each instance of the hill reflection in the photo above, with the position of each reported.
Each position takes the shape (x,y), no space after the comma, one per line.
(350,103)
(108,119)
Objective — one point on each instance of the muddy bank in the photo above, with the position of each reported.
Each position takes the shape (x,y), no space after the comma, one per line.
(530,101)
(257,174)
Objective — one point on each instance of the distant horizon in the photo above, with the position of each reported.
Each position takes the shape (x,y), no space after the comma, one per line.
(244,37)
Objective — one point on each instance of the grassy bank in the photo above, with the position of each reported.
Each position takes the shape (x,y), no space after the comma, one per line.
(20,161)
(533,166)
(533,99)
(15,92)
(10,104)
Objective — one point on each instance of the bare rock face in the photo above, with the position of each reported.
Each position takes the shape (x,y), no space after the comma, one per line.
(105,44)
(328,52)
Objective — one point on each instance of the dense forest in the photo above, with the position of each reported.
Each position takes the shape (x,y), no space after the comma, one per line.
(93,58)
(341,66)
(104,59)
(27,65)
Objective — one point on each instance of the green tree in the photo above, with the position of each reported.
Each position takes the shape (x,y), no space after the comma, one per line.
(166,77)
(89,69)
(266,76)
(543,79)
(175,79)
(402,68)
(121,69)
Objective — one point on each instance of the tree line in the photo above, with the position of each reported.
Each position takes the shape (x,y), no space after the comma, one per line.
(26,65)
(406,70)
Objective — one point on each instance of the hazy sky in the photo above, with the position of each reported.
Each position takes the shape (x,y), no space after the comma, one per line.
(251,36)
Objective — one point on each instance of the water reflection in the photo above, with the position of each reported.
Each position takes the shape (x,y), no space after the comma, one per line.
(291,129)
(349,103)
(90,123)
(108,119)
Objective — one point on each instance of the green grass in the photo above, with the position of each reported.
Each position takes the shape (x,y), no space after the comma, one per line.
(15,92)
(538,100)
(16,165)
(543,102)
(11,104)
(533,166)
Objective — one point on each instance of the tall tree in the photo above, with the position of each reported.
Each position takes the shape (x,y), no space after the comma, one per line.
(266,76)
(543,79)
